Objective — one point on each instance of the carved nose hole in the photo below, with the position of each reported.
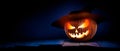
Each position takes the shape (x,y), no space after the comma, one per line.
(76,31)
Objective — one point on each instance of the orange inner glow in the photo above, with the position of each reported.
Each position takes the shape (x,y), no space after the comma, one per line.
(69,26)
(79,35)
(84,24)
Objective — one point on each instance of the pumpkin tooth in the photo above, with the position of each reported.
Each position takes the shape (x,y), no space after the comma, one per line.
(80,36)
(79,33)
(69,33)
(86,33)
(72,35)
(76,34)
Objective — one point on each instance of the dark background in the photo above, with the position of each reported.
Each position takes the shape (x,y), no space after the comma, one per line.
(26,21)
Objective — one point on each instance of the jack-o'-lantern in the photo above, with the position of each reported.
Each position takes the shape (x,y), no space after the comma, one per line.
(80,30)
(79,25)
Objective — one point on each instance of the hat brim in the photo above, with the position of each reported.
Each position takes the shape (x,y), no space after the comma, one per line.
(76,16)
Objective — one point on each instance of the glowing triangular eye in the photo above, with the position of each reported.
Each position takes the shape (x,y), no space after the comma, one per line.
(84,24)
(69,26)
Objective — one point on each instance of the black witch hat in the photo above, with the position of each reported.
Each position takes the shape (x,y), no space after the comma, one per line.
(77,15)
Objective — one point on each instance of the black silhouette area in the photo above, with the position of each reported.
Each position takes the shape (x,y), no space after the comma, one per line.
(28,25)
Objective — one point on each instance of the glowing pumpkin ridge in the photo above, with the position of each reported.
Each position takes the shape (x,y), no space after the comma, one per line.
(80,30)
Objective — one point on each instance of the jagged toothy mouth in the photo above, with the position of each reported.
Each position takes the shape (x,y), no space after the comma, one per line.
(79,35)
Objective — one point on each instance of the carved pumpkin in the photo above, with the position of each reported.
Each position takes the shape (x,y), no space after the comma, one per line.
(79,25)
(80,30)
